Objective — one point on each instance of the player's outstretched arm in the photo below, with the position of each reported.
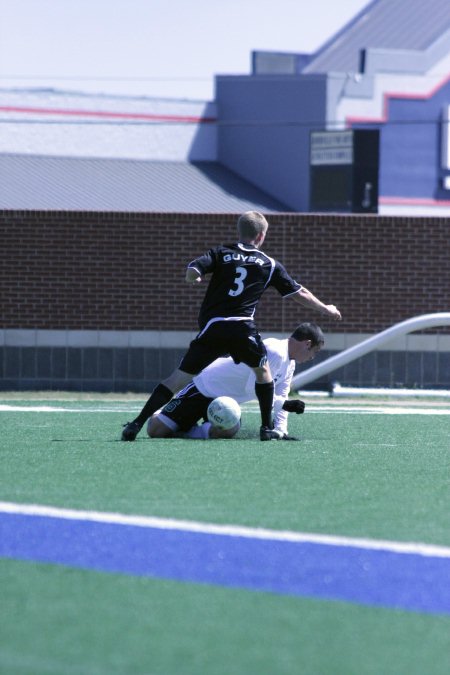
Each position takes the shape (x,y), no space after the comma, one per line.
(308,299)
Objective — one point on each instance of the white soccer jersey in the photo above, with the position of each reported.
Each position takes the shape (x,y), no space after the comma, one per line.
(225,378)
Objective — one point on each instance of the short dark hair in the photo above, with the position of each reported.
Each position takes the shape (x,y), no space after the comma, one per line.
(309,331)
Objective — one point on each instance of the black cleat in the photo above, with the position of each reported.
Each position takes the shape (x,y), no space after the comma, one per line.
(130,431)
(266,434)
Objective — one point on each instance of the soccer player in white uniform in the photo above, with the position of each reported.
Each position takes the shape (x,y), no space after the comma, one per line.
(224,378)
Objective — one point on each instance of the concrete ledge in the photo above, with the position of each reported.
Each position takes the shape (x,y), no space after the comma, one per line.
(16,337)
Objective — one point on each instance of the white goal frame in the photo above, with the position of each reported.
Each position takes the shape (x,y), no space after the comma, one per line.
(370,344)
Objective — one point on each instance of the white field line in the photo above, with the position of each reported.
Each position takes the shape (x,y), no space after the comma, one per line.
(225,530)
(357,410)
(55,409)
(387,410)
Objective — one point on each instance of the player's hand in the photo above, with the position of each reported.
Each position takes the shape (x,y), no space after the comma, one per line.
(294,406)
(334,313)
(193,276)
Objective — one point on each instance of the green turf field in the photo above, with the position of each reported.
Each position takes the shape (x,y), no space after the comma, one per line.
(359,472)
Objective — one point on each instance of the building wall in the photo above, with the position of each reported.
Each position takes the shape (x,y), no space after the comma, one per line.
(290,107)
(411,148)
(264,128)
(96,300)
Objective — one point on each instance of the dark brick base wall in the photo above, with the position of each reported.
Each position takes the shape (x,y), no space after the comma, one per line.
(85,369)
(139,370)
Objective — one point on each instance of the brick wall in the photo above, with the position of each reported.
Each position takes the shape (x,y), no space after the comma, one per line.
(76,270)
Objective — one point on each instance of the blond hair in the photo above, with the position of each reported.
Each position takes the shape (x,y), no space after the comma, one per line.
(251,224)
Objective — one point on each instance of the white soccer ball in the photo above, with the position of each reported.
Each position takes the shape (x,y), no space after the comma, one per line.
(224,412)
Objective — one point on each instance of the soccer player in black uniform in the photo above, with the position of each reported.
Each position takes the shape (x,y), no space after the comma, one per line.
(241,272)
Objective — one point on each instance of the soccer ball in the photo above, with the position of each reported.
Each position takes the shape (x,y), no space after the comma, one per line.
(224,412)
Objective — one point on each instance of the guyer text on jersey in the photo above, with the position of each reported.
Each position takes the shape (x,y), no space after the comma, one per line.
(240,257)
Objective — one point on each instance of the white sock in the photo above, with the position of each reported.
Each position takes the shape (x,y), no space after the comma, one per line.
(201,431)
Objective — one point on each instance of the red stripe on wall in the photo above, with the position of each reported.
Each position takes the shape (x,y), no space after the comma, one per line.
(414,201)
(188,119)
(387,96)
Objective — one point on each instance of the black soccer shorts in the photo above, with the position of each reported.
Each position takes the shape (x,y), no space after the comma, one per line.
(238,339)
(187,407)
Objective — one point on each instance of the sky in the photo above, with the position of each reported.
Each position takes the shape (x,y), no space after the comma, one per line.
(158,48)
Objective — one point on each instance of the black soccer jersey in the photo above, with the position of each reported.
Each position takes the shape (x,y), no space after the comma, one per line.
(240,275)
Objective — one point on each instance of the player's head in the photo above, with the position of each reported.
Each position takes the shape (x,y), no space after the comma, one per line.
(305,342)
(308,330)
(252,227)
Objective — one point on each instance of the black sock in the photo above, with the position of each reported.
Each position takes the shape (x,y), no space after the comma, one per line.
(160,396)
(264,394)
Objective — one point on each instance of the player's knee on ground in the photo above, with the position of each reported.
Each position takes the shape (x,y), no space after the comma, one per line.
(157,429)
(215,432)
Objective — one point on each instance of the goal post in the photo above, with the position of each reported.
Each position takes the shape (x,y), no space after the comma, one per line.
(343,358)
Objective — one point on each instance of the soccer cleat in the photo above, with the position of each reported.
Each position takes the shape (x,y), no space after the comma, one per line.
(266,434)
(130,431)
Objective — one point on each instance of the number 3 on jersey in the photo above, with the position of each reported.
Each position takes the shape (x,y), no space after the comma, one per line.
(238,281)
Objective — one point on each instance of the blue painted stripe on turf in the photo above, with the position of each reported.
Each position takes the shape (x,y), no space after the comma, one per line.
(365,576)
